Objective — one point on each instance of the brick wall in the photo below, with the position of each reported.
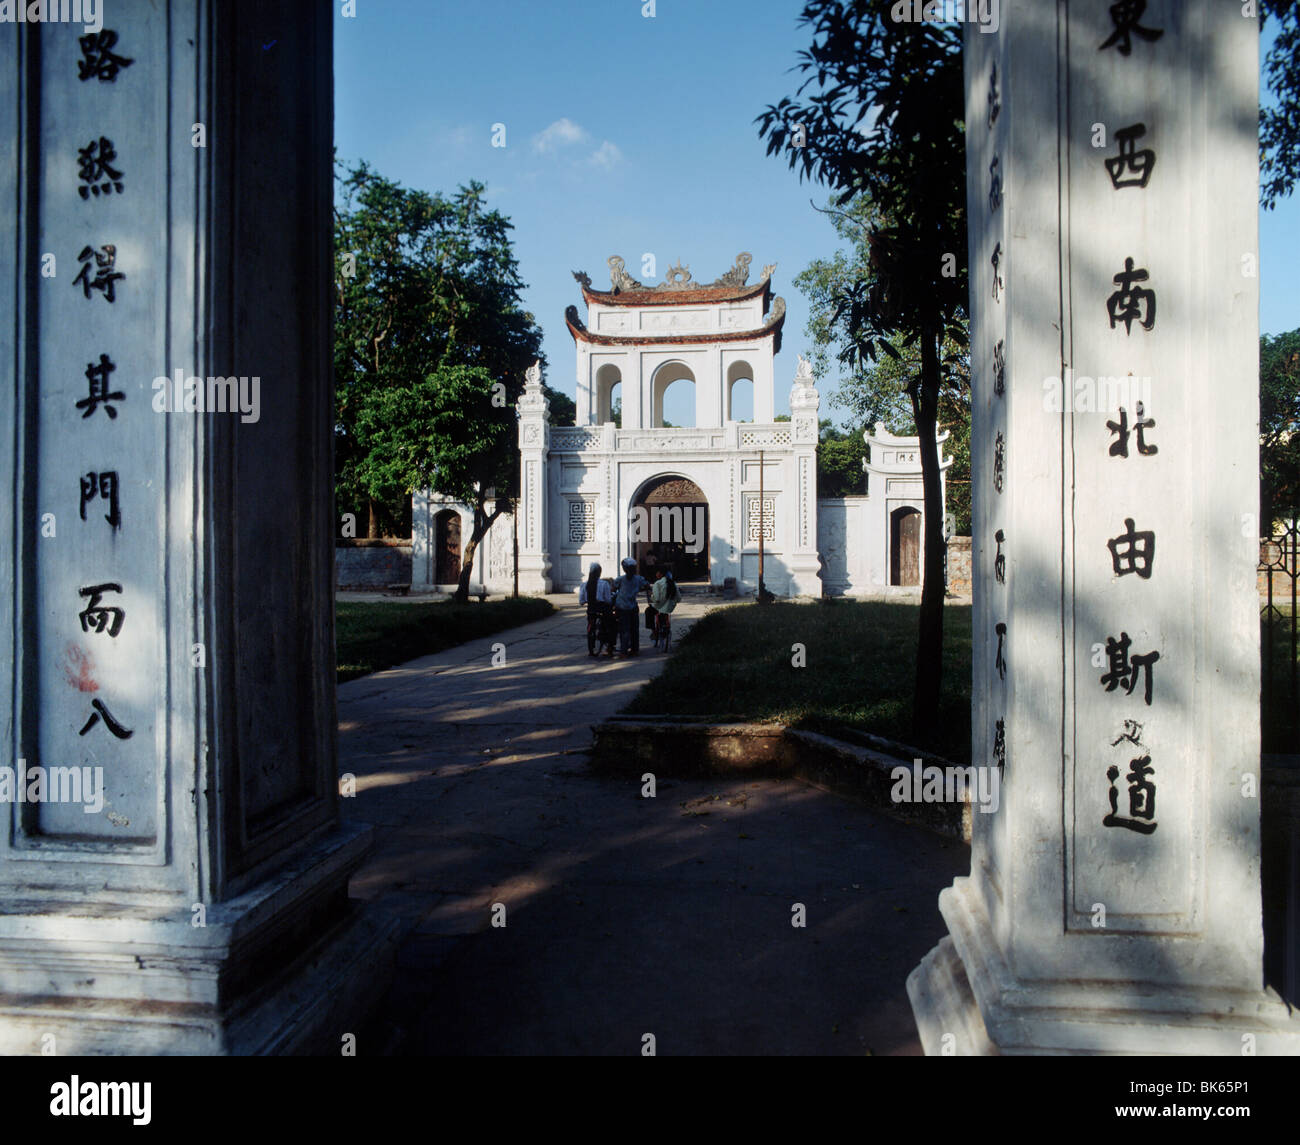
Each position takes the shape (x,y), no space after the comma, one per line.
(959,566)
(372,564)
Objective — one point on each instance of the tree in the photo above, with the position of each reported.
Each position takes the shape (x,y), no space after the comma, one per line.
(1279,428)
(884,121)
(1279,127)
(448,431)
(425,284)
(879,391)
(840,454)
(563,409)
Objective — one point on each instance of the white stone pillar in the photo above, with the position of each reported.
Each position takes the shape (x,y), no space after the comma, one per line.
(534,443)
(423,540)
(1113,903)
(166,557)
(805,560)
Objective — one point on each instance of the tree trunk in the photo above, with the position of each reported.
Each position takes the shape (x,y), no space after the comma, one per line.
(929,648)
(482,523)
(372,525)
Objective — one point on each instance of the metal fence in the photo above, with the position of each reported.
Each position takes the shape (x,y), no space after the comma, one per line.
(1279,569)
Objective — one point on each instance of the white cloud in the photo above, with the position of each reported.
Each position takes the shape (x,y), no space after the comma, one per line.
(561,133)
(606,155)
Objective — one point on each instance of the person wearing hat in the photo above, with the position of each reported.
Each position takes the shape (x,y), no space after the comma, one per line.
(627,591)
(599,599)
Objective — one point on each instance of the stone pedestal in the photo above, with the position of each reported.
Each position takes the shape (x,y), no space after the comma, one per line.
(179,885)
(1113,904)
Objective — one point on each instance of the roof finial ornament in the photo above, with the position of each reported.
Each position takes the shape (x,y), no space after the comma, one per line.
(619,276)
(738,275)
(679,277)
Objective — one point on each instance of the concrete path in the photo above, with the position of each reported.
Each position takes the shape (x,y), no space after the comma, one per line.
(624,916)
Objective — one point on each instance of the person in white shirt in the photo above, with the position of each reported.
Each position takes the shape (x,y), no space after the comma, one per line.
(599,600)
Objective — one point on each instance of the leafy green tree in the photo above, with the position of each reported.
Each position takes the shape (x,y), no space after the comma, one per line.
(563,409)
(879,391)
(840,454)
(1279,428)
(884,120)
(425,284)
(447,431)
(1279,126)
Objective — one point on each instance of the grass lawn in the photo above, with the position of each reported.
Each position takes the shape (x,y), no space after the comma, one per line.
(369,637)
(860,669)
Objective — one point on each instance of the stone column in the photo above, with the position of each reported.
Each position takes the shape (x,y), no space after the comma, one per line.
(1113,904)
(178,881)
(534,444)
(805,561)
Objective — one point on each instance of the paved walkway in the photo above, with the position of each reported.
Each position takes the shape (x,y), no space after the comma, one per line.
(624,916)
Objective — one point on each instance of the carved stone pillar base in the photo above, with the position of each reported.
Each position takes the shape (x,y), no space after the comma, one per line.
(289,967)
(967,1001)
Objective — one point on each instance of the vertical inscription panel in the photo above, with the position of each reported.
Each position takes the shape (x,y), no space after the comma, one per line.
(1133,219)
(94,686)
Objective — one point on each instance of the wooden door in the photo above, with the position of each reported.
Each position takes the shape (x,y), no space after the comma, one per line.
(447,534)
(905,547)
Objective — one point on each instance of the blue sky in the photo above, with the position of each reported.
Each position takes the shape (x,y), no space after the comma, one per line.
(624,135)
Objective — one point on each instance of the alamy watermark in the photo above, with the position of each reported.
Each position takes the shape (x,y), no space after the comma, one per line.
(23,784)
(952,784)
(88,13)
(985,13)
(180,394)
(1082,394)
(684,525)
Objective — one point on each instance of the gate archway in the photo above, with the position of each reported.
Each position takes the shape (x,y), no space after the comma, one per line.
(669,524)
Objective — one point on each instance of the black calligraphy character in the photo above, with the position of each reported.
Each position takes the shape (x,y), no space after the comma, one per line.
(1119,447)
(1000,663)
(98,615)
(1130,301)
(1132,551)
(996,260)
(1000,743)
(1125,16)
(1000,367)
(995,185)
(1000,561)
(109,722)
(1132,733)
(1124,670)
(999,460)
(95,164)
(103,485)
(995,98)
(1141,797)
(106,274)
(97,376)
(1131,168)
(100,61)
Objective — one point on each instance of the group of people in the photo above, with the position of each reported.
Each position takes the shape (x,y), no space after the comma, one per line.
(614,611)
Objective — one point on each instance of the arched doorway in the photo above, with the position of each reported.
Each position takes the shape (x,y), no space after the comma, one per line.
(669,524)
(905,546)
(446,547)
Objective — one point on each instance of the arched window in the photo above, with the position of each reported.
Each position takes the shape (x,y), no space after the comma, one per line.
(740,392)
(608,380)
(678,407)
